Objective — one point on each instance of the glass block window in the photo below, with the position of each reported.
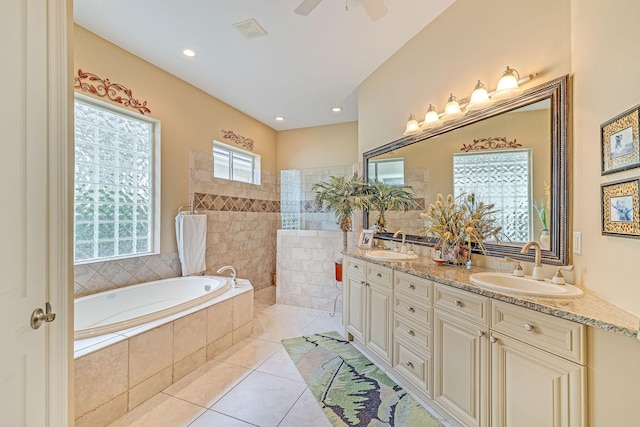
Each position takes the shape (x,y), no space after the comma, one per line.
(389,171)
(114,183)
(290,199)
(235,164)
(502,178)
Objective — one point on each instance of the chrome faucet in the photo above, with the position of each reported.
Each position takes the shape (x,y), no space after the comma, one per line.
(403,248)
(234,280)
(538,273)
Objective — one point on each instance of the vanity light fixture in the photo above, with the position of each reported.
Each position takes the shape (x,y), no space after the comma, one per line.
(431,119)
(412,126)
(479,98)
(188,52)
(452,109)
(508,86)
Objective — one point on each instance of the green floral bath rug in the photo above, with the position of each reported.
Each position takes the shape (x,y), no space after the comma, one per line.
(352,390)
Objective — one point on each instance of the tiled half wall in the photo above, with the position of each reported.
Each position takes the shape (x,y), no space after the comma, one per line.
(242,220)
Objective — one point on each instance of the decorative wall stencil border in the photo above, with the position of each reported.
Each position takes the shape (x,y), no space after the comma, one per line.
(490,143)
(213,202)
(110,90)
(238,139)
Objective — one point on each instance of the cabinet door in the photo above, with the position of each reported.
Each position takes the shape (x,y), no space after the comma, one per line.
(530,387)
(378,320)
(461,368)
(354,310)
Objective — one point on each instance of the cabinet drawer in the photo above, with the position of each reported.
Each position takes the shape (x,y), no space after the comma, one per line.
(414,287)
(558,336)
(413,366)
(379,274)
(417,335)
(464,304)
(413,309)
(354,265)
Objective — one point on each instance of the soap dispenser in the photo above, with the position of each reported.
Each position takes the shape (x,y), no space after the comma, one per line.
(558,278)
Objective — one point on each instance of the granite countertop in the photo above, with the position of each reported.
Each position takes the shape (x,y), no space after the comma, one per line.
(588,309)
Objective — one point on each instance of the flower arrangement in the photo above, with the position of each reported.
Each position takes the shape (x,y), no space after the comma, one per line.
(464,220)
(542,209)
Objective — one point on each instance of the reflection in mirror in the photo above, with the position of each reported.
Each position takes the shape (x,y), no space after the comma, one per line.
(512,156)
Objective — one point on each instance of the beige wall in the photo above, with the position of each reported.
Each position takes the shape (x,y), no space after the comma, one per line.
(191,119)
(471,40)
(603,33)
(319,146)
(595,42)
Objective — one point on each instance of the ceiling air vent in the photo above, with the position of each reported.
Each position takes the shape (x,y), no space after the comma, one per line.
(250,28)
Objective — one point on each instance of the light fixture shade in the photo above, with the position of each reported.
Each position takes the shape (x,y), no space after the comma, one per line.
(412,126)
(479,98)
(431,119)
(452,109)
(508,86)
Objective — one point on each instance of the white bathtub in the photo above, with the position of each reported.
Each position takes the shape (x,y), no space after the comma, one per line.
(119,309)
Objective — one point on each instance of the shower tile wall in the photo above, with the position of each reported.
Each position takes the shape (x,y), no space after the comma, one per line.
(103,276)
(242,220)
(419,180)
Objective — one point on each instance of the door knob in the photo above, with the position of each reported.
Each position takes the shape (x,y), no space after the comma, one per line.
(38,317)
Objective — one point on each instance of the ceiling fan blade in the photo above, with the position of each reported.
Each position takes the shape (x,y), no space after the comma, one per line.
(306,7)
(376,9)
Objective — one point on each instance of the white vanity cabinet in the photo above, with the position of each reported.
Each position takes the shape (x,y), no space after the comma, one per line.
(369,304)
(412,330)
(461,355)
(537,369)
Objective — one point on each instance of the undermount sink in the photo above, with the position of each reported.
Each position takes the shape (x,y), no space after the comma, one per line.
(389,256)
(507,282)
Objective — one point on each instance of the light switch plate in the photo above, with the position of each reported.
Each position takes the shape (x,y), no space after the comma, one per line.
(577,242)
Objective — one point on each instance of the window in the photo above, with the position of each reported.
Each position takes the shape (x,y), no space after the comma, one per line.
(502,178)
(389,171)
(235,164)
(114,204)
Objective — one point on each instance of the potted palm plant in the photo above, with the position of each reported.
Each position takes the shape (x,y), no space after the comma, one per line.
(386,197)
(343,197)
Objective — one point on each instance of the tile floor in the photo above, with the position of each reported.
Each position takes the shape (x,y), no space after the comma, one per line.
(254,383)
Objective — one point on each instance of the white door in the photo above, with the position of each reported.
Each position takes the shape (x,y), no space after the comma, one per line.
(33,211)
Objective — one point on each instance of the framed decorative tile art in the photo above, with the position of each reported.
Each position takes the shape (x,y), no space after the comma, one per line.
(621,208)
(619,139)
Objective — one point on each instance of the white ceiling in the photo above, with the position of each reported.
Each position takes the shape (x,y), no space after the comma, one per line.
(303,67)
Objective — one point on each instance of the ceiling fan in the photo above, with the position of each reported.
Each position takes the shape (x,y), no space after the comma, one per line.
(376,9)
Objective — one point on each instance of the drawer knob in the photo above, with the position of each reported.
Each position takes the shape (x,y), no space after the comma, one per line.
(410,332)
(480,333)
(409,364)
(457,303)
(411,309)
(355,266)
(493,339)
(363,283)
(528,327)
(411,286)
(378,274)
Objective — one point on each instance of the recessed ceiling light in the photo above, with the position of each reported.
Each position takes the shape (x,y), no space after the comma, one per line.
(188,52)
(279,118)
(336,109)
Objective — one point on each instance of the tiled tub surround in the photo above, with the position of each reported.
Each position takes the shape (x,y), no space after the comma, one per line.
(242,220)
(306,268)
(588,309)
(107,275)
(116,372)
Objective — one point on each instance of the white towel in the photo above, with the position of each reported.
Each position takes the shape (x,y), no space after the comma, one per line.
(191,234)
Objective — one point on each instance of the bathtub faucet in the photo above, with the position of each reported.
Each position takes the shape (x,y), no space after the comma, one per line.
(233,273)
